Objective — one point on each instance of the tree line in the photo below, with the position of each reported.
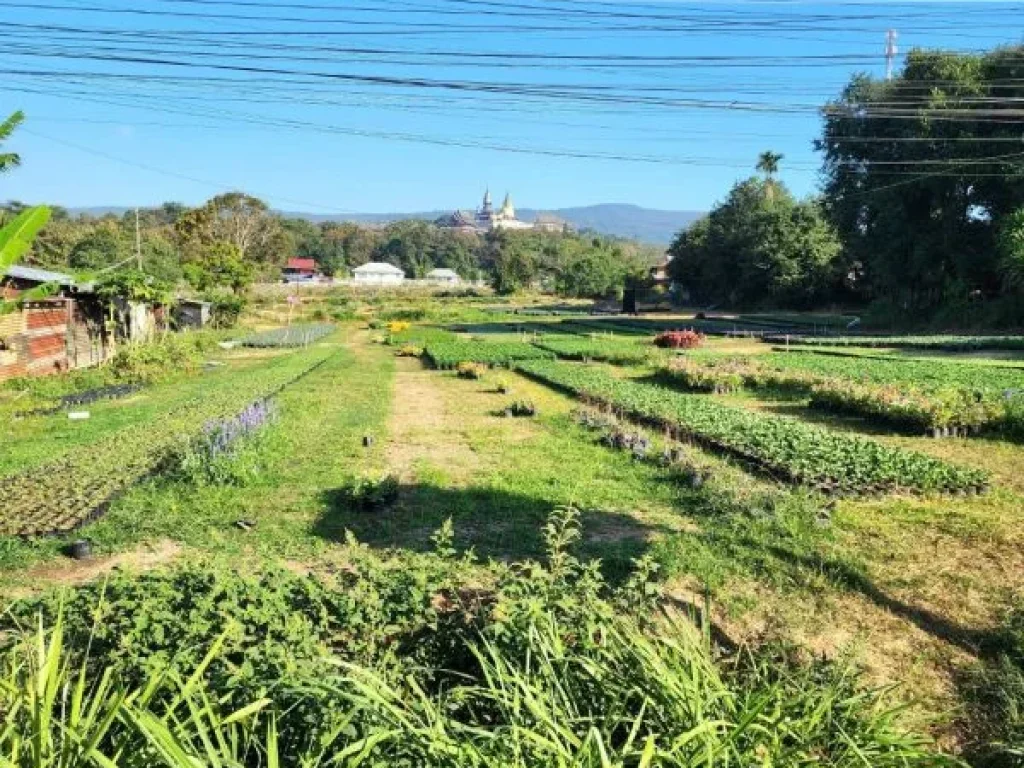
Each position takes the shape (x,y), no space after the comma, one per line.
(235,239)
(921,212)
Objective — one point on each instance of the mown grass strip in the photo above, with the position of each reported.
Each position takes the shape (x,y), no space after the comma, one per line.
(789,449)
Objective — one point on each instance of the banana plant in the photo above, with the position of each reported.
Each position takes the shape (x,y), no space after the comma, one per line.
(15,240)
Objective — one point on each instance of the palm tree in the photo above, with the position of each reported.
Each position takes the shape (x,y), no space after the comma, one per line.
(9,160)
(768,164)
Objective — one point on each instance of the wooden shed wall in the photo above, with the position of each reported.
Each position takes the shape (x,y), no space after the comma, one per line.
(49,336)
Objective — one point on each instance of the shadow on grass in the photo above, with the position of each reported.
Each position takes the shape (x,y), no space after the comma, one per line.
(494,523)
(984,643)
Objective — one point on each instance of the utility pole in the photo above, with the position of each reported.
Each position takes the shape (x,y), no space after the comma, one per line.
(138,241)
(890,51)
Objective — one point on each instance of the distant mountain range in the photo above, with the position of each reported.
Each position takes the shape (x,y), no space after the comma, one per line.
(621,220)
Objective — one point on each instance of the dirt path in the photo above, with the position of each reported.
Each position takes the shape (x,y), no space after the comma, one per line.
(67,572)
(423,432)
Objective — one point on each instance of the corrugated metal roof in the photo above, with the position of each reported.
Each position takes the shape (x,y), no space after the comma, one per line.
(378,267)
(442,273)
(38,275)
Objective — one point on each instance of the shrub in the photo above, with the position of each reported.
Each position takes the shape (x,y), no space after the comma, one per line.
(471,370)
(225,309)
(409,350)
(370,494)
(679,339)
(213,456)
(403,664)
(520,408)
(167,355)
(408,315)
(398,326)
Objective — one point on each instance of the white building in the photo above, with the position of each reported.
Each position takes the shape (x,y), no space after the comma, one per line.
(377,273)
(486,218)
(444,276)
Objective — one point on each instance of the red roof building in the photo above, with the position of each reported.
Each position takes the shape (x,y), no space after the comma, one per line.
(299,269)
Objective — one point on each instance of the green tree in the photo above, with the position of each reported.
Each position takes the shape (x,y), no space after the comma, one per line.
(237,218)
(918,200)
(106,246)
(1011,249)
(752,250)
(768,164)
(513,263)
(133,285)
(220,266)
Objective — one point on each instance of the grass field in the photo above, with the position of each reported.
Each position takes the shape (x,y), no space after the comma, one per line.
(912,588)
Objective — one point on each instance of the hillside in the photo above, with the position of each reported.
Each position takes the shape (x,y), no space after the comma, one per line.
(618,219)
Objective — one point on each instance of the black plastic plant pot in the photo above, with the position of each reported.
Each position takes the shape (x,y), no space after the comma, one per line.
(80,549)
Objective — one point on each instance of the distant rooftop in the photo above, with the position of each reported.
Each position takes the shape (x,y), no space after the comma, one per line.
(35,275)
(303,264)
(378,267)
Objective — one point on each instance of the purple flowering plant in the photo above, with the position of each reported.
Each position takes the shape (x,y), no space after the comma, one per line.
(212,456)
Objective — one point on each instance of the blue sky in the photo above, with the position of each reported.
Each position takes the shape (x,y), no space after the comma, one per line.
(402,105)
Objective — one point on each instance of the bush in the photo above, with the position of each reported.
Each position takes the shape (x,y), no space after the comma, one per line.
(679,339)
(520,408)
(409,350)
(370,494)
(225,309)
(213,456)
(471,370)
(406,315)
(167,355)
(400,663)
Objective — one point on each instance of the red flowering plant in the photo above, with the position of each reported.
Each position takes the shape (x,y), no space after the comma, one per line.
(679,339)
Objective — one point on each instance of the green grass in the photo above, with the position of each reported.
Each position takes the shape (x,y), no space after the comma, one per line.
(26,442)
(778,563)
(313,447)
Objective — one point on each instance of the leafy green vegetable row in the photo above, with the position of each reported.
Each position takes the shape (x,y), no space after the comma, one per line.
(291,336)
(450,354)
(947,343)
(916,395)
(420,335)
(617,351)
(795,451)
(64,493)
(648,327)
